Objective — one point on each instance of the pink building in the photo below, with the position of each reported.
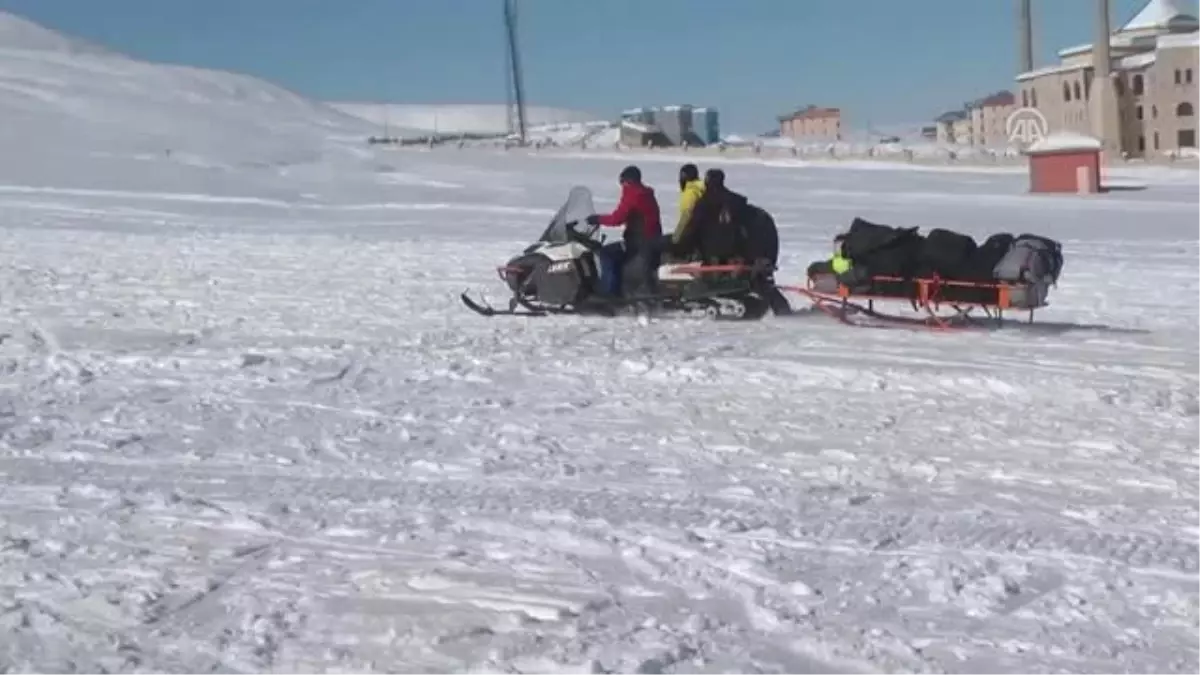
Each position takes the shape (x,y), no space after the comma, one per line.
(812,124)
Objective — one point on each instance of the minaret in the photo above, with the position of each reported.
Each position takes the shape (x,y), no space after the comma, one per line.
(1025,36)
(1106,124)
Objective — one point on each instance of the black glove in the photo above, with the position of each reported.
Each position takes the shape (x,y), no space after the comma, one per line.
(592,219)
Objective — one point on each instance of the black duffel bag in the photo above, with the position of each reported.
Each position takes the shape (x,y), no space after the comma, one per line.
(947,254)
(865,237)
(989,254)
(882,250)
(899,259)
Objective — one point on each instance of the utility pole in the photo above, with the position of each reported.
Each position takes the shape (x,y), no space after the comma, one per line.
(509,97)
(518,89)
(1106,125)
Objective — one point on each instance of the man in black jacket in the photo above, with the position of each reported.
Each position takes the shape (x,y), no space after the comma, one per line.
(715,231)
(726,228)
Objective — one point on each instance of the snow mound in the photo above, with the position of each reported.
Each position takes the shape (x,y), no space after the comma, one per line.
(64,105)
(573,134)
(609,136)
(456,118)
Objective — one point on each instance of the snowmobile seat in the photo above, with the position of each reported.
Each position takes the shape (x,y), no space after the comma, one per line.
(760,238)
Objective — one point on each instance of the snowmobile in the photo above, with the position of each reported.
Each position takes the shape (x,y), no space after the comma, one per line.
(570,270)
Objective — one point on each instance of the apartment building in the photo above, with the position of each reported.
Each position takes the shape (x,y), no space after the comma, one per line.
(812,124)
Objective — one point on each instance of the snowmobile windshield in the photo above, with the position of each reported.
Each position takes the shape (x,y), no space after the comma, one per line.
(575,210)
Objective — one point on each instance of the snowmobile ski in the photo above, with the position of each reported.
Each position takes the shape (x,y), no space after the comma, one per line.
(489,311)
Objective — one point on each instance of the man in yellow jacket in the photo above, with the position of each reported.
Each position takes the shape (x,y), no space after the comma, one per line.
(691,189)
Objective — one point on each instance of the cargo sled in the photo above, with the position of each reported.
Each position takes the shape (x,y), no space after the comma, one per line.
(572,270)
(947,279)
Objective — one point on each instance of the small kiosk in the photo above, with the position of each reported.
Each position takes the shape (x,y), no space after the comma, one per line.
(1065,162)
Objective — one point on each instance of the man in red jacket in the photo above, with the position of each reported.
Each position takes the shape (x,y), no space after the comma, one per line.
(638,212)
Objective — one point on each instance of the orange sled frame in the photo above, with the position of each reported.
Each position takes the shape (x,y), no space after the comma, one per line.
(929,296)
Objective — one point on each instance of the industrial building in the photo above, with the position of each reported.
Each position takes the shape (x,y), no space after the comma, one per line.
(675,124)
(706,125)
(642,135)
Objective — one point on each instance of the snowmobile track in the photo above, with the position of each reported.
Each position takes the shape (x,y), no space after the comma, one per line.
(989,534)
(882,530)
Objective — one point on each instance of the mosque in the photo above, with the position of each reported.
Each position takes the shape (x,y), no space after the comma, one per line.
(1147,109)
(1152,70)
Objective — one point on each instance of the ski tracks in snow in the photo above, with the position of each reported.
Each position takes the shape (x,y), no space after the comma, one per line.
(285,452)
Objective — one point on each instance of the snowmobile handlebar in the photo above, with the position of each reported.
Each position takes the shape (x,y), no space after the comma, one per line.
(587,240)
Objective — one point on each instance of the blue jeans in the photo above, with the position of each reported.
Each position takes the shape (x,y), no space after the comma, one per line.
(639,274)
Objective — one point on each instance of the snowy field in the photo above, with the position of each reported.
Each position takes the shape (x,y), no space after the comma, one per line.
(245,424)
(256,431)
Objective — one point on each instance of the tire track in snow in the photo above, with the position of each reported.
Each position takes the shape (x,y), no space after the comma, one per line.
(933,534)
(863,530)
(772,608)
(828,615)
(783,611)
(764,601)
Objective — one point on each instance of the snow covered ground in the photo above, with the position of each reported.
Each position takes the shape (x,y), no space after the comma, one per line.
(261,434)
(246,426)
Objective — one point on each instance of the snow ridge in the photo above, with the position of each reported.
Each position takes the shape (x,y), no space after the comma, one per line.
(456,118)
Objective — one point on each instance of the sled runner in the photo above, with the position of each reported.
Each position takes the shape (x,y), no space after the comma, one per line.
(569,270)
(944,277)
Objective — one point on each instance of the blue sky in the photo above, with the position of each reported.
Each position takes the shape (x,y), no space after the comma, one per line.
(882,61)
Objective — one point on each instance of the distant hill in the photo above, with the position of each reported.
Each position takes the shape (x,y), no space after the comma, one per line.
(65,104)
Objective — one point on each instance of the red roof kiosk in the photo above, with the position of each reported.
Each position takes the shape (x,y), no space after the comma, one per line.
(1065,162)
